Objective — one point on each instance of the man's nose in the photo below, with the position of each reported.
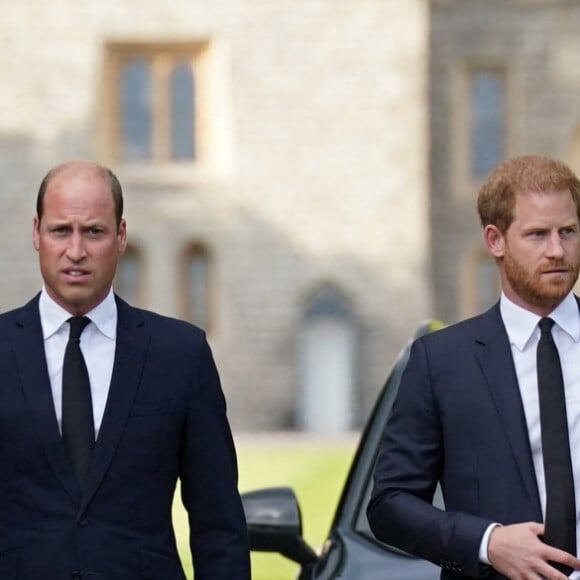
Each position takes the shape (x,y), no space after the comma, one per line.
(76,248)
(555,248)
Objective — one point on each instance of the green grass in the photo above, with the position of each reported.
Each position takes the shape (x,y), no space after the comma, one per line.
(316,469)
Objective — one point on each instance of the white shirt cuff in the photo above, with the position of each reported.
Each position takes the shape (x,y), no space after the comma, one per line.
(484,543)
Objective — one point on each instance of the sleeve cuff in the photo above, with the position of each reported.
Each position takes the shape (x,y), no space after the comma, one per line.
(484,543)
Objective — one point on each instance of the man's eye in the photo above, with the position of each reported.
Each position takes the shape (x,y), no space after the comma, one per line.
(96,231)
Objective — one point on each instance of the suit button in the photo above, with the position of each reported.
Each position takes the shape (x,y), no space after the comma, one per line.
(76,576)
(82,521)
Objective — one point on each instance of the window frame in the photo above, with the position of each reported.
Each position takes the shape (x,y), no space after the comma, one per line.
(164,56)
(464,183)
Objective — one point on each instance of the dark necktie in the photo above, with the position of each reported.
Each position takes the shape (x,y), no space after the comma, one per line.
(560,522)
(78,432)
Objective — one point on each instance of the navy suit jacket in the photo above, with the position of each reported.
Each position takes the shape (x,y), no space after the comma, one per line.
(459,420)
(165,420)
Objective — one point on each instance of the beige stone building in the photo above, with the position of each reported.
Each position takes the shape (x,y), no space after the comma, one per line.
(300,177)
(274,157)
(503,81)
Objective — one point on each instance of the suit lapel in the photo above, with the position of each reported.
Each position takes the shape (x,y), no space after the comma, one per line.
(28,349)
(497,365)
(130,355)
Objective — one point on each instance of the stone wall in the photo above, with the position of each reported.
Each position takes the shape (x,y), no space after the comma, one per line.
(318,172)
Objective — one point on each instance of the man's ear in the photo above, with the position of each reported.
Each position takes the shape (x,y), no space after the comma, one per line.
(494,240)
(122,237)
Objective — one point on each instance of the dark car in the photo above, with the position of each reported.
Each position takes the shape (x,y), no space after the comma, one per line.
(351,552)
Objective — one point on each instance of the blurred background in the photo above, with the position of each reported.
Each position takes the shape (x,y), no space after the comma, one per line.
(300,175)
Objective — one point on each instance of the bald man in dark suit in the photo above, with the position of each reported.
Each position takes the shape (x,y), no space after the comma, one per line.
(101,510)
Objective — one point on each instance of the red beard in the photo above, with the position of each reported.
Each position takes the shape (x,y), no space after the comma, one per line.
(535,288)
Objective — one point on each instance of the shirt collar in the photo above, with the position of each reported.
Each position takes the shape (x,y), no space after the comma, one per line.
(521,324)
(53,316)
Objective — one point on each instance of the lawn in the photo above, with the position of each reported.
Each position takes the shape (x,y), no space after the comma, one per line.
(314,467)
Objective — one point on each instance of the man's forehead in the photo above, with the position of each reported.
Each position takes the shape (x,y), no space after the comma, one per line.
(79,193)
(536,203)
(528,197)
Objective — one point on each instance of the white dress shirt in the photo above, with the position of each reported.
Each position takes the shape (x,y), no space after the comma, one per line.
(97,345)
(523,333)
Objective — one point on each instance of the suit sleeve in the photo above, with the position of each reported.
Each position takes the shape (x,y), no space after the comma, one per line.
(409,466)
(209,478)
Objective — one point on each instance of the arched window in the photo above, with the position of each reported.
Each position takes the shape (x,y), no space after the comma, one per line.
(326,363)
(197,266)
(127,281)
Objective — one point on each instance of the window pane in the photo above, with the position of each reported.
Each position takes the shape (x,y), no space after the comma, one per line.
(136,110)
(487,121)
(198,287)
(182,112)
(127,277)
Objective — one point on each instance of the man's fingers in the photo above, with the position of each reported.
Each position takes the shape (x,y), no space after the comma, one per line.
(516,551)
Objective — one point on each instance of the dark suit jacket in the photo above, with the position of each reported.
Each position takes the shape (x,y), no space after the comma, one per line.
(165,419)
(458,419)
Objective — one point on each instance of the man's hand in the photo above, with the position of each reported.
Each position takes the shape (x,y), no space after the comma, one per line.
(517,552)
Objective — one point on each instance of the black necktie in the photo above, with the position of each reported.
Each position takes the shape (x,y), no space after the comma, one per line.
(560,522)
(78,431)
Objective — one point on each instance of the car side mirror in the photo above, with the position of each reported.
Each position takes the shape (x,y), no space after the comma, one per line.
(275,524)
